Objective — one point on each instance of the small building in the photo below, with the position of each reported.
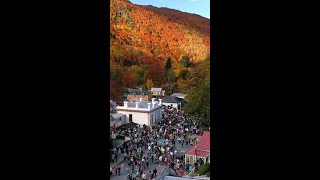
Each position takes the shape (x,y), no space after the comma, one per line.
(142,112)
(200,151)
(179,95)
(134,95)
(175,102)
(157,92)
(117,119)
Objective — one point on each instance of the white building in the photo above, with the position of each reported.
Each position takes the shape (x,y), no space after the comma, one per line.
(157,92)
(142,112)
(175,102)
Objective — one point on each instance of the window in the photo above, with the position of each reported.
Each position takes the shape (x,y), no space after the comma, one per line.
(130,117)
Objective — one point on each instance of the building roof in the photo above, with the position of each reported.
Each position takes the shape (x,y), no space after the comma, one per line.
(200,153)
(203,146)
(156,89)
(171,99)
(138,92)
(204,141)
(178,95)
(117,115)
(113,103)
(142,106)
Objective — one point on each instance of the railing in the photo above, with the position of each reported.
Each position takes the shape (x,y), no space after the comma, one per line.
(192,171)
(164,173)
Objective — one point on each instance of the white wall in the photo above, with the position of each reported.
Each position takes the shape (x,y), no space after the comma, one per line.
(142,117)
(137,117)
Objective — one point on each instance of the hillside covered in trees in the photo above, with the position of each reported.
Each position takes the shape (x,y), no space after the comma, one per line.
(152,46)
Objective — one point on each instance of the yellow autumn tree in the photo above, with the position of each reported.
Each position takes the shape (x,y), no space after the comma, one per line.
(149,83)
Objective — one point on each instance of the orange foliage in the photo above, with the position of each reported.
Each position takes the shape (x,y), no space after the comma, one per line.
(149,35)
(129,79)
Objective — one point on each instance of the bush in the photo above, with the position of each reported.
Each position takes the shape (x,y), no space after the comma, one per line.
(204,169)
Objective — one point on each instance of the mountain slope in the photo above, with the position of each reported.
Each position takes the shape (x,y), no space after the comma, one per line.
(145,33)
(144,38)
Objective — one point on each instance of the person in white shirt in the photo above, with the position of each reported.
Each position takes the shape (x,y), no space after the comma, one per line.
(144,177)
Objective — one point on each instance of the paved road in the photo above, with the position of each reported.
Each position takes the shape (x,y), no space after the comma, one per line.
(125,170)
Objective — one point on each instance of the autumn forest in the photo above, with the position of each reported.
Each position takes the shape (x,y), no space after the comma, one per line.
(158,47)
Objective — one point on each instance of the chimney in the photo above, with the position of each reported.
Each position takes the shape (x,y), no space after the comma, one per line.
(125,104)
(141,99)
(160,101)
(153,104)
(149,104)
(137,105)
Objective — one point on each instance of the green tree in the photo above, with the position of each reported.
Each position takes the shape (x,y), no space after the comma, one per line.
(170,76)
(198,105)
(184,74)
(168,64)
(185,61)
(197,86)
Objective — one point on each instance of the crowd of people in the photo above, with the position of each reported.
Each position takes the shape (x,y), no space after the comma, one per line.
(157,145)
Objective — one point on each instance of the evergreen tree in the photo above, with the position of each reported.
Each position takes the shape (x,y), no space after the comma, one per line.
(168,64)
(185,61)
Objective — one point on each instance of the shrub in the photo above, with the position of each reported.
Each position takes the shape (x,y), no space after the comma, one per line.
(204,169)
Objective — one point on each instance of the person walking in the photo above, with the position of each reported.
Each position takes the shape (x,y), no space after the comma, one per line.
(155,172)
(113,158)
(152,158)
(116,170)
(144,176)
(119,170)
(132,167)
(129,177)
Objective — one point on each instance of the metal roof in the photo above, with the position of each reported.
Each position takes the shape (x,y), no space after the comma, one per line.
(171,99)
(178,95)
(117,115)
(156,89)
